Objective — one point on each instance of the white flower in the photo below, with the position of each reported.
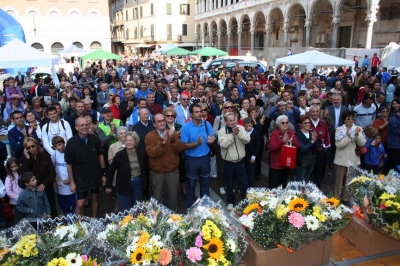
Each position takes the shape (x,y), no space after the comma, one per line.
(232,245)
(391,190)
(311,222)
(146,262)
(73,259)
(263,202)
(335,214)
(3,242)
(103,235)
(248,220)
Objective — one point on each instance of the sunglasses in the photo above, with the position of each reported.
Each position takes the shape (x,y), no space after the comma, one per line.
(30,147)
(204,110)
(284,123)
(228,107)
(350,118)
(169,116)
(183,99)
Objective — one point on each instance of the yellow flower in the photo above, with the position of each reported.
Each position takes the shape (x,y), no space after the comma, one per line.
(386,196)
(248,209)
(281,211)
(298,205)
(143,239)
(388,203)
(214,210)
(175,217)
(396,225)
(127,219)
(320,216)
(215,248)
(138,256)
(331,201)
(212,262)
(361,179)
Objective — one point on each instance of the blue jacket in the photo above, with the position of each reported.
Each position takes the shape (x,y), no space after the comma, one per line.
(393,139)
(16,140)
(215,111)
(33,203)
(180,115)
(372,156)
(307,148)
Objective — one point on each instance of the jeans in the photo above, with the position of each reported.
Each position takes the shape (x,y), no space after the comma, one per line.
(303,173)
(67,203)
(319,168)
(197,168)
(250,169)
(125,202)
(231,170)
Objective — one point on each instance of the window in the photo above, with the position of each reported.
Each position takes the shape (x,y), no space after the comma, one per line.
(56,48)
(169,9)
(151,9)
(95,46)
(141,12)
(127,34)
(126,13)
(38,46)
(169,31)
(136,13)
(184,9)
(133,12)
(184,29)
(78,44)
(135,32)
(54,14)
(141,31)
(152,30)
(74,14)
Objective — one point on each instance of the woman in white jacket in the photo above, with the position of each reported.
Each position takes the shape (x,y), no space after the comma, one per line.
(347,137)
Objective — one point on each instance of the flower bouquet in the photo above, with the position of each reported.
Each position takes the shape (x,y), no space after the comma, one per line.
(305,215)
(141,236)
(73,259)
(209,239)
(378,200)
(63,235)
(257,215)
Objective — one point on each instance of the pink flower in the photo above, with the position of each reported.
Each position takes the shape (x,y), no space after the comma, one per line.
(296,220)
(94,263)
(201,233)
(84,258)
(382,206)
(194,254)
(199,242)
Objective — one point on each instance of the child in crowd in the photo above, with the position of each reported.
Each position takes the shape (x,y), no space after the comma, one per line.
(2,213)
(66,198)
(13,92)
(252,148)
(32,202)
(375,154)
(12,189)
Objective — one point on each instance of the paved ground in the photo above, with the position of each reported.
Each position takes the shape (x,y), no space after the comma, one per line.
(107,203)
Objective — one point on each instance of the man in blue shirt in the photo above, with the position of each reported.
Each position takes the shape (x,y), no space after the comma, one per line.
(196,135)
(288,78)
(118,90)
(142,93)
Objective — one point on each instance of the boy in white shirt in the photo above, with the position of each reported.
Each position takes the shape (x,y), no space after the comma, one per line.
(66,199)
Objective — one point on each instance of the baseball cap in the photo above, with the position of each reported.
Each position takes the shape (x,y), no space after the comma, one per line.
(105,110)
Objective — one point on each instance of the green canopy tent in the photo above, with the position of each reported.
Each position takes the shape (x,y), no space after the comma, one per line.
(99,54)
(177,51)
(209,51)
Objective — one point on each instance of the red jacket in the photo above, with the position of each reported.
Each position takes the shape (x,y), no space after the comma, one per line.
(322,133)
(375,62)
(275,146)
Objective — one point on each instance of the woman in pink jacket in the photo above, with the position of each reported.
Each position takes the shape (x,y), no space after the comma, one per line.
(277,173)
(12,189)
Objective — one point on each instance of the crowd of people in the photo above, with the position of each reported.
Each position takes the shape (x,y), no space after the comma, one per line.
(153,126)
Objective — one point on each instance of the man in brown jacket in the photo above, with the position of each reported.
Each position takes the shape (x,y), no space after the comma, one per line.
(163,147)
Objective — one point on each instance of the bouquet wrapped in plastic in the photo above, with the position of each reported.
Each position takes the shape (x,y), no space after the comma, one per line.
(141,236)
(376,199)
(257,215)
(208,238)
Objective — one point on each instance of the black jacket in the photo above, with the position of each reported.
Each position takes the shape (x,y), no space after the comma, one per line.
(43,169)
(121,164)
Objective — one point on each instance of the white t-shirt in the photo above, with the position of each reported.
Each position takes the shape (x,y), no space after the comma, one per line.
(62,173)
(55,129)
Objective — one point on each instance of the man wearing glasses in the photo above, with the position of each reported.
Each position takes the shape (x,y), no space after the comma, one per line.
(182,110)
(163,147)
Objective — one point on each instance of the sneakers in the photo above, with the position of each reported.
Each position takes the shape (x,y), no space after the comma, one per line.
(229,207)
(222,190)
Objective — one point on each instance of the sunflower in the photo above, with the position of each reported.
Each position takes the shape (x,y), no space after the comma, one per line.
(138,255)
(127,219)
(248,209)
(143,239)
(215,248)
(298,204)
(332,202)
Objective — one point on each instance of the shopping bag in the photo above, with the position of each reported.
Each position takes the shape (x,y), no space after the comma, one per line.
(288,156)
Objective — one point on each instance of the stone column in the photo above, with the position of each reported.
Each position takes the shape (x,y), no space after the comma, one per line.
(229,41)
(252,40)
(219,4)
(267,35)
(206,5)
(215,3)
(307,25)
(335,23)
(202,40)
(286,34)
(210,37)
(219,39)
(239,33)
(370,30)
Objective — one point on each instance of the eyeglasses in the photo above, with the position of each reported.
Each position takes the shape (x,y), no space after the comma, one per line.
(228,107)
(169,116)
(349,118)
(284,123)
(30,147)
(204,110)
(161,121)
(184,99)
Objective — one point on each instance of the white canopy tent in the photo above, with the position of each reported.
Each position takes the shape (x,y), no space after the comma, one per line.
(312,59)
(166,47)
(17,54)
(391,56)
